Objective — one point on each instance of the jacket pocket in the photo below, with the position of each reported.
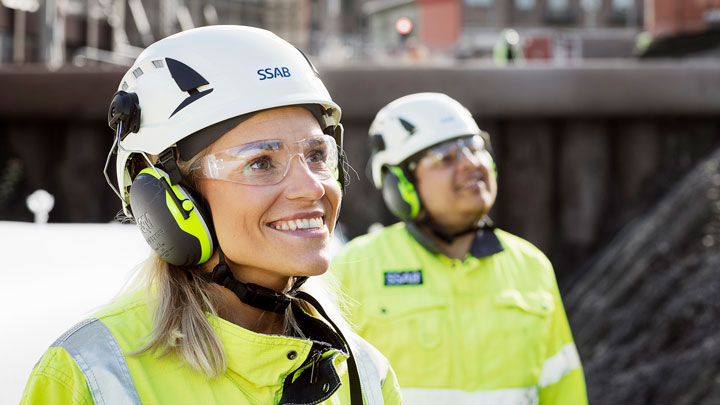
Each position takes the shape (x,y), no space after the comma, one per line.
(412,332)
(522,314)
(420,317)
(519,329)
(539,303)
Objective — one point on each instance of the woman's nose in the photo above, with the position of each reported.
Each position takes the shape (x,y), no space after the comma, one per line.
(301,181)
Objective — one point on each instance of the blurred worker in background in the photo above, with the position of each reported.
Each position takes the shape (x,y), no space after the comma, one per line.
(508,49)
(466,313)
(229,159)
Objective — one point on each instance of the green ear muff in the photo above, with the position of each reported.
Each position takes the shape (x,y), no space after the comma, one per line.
(494,167)
(400,195)
(170,219)
(339,174)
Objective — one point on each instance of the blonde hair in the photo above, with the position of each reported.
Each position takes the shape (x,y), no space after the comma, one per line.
(180,325)
(182,302)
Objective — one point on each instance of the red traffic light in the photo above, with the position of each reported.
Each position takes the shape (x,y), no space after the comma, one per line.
(403,26)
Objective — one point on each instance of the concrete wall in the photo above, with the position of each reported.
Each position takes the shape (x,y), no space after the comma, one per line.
(580,150)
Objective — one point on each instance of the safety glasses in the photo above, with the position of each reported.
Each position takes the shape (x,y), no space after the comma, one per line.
(448,153)
(267,162)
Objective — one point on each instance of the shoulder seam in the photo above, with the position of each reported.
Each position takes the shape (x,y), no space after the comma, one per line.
(77,396)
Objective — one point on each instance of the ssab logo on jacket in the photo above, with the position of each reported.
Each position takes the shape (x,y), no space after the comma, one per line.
(393,278)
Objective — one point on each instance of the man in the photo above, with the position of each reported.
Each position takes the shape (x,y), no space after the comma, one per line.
(466,313)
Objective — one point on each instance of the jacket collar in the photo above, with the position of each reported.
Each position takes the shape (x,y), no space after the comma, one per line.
(485,243)
(306,368)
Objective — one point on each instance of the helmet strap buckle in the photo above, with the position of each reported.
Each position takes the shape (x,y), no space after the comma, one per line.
(168,163)
(254,295)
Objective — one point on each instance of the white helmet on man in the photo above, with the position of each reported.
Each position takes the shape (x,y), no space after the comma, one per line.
(414,123)
(204,76)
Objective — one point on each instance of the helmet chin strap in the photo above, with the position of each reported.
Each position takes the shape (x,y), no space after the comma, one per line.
(257,296)
(270,300)
(449,237)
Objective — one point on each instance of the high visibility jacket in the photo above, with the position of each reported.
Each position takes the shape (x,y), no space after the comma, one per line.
(489,329)
(90,363)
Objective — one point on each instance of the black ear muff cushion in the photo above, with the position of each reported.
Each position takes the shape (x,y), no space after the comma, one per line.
(151,207)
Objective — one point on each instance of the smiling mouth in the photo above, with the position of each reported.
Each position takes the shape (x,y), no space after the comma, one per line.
(471,183)
(295,224)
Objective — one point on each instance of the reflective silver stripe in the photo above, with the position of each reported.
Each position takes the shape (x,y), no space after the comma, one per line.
(98,355)
(559,365)
(372,368)
(510,396)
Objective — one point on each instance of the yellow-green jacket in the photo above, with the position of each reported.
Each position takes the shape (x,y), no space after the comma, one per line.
(90,364)
(489,329)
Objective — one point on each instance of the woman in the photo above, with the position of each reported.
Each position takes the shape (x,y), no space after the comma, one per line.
(229,160)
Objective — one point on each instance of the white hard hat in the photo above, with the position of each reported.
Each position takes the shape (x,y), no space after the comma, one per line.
(414,123)
(205,76)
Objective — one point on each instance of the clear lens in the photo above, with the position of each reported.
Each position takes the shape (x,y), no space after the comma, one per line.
(267,162)
(447,153)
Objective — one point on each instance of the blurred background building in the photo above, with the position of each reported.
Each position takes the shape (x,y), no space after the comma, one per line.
(542,69)
(598,110)
(114,31)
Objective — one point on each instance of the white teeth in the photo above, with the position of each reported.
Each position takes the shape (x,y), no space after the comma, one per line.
(305,223)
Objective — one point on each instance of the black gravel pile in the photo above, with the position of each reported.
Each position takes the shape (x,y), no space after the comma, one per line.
(645,312)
